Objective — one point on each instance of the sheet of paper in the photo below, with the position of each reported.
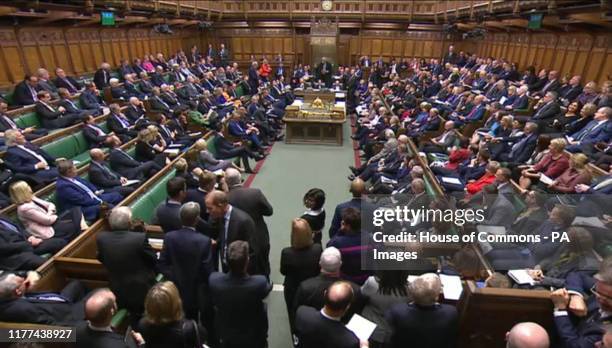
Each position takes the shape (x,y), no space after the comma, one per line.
(545,180)
(175,145)
(451,286)
(449,180)
(172,151)
(361,327)
(131,182)
(340,95)
(502,100)
(520,276)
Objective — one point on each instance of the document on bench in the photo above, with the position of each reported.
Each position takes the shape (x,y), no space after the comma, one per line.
(131,182)
(545,180)
(450,180)
(521,276)
(451,286)
(175,145)
(361,327)
(172,151)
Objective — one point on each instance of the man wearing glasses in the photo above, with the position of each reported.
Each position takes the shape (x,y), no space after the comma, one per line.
(582,321)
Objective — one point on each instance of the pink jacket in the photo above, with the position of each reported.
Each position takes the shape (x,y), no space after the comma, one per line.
(36,220)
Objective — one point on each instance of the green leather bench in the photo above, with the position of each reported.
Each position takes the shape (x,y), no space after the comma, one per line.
(29,119)
(74,147)
(144,207)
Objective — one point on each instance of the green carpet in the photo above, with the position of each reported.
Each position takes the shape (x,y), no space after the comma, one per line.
(286,175)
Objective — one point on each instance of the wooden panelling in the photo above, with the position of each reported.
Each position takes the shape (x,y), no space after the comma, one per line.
(571,54)
(79,50)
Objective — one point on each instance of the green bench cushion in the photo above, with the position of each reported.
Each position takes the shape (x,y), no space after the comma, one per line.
(29,119)
(144,207)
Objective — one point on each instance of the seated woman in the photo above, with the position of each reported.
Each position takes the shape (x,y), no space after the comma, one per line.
(150,147)
(501,128)
(576,174)
(164,324)
(551,165)
(40,217)
(314,200)
(559,123)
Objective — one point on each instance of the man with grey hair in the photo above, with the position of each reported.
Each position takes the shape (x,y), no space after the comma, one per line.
(129,259)
(18,305)
(423,322)
(25,158)
(102,76)
(527,335)
(253,202)
(311,292)
(187,260)
(579,319)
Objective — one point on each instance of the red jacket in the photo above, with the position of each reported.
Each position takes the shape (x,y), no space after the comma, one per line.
(476,186)
(456,157)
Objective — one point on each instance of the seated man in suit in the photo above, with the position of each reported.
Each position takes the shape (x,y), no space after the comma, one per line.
(239,129)
(136,113)
(121,125)
(25,158)
(238,298)
(91,101)
(324,328)
(170,136)
(64,81)
(126,166)
(187,259)
(6,123)
(118,91)
(74,191)
(443,142)
(26,91)
(45,84)
(20,251)
(158,104)
(599,130)
(96,331)
(129,259)
(104,178)
(146,85)
(580,320)
(130,86)
(95,136)
(17,305)
(545,110)
(517,150)
(424,322)
(476,113)
(67,103)
(51,117)
(167,213)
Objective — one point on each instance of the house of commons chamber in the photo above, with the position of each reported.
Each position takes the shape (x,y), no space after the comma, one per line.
(306,174)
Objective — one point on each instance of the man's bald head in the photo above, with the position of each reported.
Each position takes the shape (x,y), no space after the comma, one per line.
(358,187)
(338,298)
(96,154)
(527,335)
(100,307)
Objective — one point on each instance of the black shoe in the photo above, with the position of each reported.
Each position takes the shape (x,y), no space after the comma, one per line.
(353,169)
(250,171)
(351,177)
(280,137)
(354,137)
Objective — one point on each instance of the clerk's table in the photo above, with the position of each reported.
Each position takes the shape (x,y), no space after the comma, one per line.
(315,122)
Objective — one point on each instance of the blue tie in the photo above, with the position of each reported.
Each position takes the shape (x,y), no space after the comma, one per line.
(9,226)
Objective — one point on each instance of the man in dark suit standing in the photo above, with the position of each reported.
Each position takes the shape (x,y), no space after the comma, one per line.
(237,297)
(129,259)
(25,158)
(26,91)
(103,177)
(96,331)
(18,251)
(357,189)
(325,72)
(64,81)
(324,328)
(6,123)
(450,56)
(126,166)
(254,203)
(17,305)
(102,76)
(230,224)
(223,56)
(167,213)
(423,322)
(187,260)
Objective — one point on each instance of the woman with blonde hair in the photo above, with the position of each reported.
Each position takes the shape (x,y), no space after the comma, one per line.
(149,149)
(299,262)
(164,324)
(576,174)
(551,165)
(40,217)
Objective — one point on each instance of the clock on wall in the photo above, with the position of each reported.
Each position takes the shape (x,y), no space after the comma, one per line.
(327,5)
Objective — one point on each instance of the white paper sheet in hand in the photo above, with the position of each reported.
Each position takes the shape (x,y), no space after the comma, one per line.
(545,180)
(451,286)
(361,327)
(451,180)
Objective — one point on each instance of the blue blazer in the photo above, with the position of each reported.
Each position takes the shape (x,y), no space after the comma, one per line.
(70,195)
(236,129)
(521,102)
(602,133)
(477,115)
(357,203)
(20,161)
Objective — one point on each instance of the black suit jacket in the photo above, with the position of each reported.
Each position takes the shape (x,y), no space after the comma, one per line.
(103,178)
(115,126)
(240,227)
(15,251)
(549,110)
(417,326)
(130,262)
(46,115)
(240,314)
(88,338)
(22,94)
(198,196)
(158,106)
(61,83)
(316,331)
(93,138)
(101,78)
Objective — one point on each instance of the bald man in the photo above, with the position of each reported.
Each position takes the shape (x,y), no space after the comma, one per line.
(357,189)
(324,328)
(96,332)
(527,335)
(101,175)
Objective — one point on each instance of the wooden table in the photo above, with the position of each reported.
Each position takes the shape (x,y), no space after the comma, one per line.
(312,131)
